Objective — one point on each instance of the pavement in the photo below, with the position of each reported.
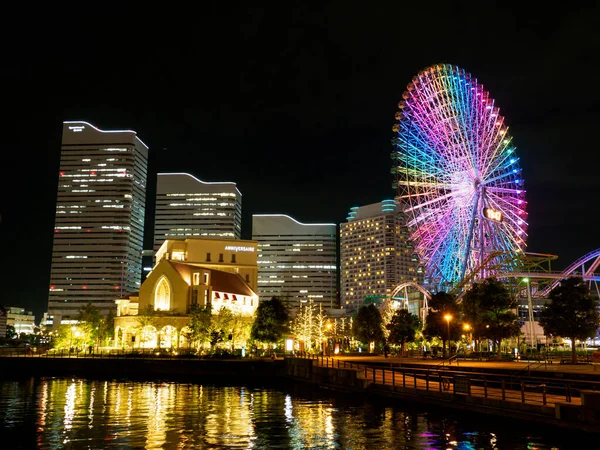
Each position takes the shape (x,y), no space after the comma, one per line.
(538,366)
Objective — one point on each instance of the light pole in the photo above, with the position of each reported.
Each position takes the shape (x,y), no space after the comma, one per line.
(448,318)
(530,311)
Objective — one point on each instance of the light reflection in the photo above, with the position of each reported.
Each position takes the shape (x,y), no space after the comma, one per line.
(70,398)
(91,407)
(112,414)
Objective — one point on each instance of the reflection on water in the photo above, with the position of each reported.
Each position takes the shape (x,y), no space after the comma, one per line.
(53,413)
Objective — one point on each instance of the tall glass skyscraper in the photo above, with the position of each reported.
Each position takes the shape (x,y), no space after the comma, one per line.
(188,207)
(99,224)
(375,254)
(297,262)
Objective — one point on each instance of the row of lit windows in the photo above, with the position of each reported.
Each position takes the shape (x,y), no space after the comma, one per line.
(230,205)
(201,194)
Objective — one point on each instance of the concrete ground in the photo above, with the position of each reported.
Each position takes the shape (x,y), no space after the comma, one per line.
(555,366)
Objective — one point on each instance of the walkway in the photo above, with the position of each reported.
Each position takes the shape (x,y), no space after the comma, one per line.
(403,372)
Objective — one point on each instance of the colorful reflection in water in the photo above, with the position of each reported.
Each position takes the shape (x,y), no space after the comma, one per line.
(56,413)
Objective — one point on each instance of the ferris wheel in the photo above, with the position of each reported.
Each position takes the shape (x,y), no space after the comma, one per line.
(458,176)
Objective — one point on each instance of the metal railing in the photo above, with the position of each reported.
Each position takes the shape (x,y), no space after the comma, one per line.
(532,390)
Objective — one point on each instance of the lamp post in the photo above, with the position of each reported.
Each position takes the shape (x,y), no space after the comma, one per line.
(530,313)
(448,318)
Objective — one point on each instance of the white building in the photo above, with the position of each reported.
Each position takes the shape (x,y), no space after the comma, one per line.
(296,261)
(375,254)
(189,207)
(23,321)
(99,224)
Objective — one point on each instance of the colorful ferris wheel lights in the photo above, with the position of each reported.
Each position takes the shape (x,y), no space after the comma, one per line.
(454,159)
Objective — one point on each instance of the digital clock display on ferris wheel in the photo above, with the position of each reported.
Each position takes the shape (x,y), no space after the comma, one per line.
(492,214)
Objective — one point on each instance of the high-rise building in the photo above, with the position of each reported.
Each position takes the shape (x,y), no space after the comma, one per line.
(188,207)
(99,224)
(375,254)
(297,262)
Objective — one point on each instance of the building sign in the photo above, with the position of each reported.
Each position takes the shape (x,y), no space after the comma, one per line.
(76,129)
(239,248)
(492,214)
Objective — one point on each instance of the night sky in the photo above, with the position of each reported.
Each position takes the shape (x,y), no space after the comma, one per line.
(294,104)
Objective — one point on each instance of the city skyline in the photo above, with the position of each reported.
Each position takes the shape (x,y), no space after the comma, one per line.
(297,112)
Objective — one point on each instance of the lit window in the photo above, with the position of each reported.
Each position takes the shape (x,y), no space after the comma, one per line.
(177,256)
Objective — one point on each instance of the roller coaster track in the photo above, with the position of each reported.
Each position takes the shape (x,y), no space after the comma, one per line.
(535,266)
(578,268)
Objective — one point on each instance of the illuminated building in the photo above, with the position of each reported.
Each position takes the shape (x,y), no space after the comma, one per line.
(23,321)
(189,207)
(189,273)
(296,261)
(99,222)
(375,254)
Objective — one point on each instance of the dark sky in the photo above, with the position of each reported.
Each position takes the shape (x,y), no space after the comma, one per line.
(295,104)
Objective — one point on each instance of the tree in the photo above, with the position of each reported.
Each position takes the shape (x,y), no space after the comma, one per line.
(199,325)
(442,304)
(403,328)
(572,312)
(271,322)
(10,332)
(367,326)
(90,324)
(495,319)
(471,312)
(147,323)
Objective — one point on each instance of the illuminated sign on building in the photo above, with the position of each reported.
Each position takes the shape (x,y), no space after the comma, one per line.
(239,248)
(492,214)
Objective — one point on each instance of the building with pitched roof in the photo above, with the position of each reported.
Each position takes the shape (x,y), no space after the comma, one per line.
(190,275)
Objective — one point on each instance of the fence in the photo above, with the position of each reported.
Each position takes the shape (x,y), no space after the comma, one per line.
(533,390)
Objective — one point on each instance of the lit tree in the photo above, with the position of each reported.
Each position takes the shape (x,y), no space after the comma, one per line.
(320,323)
(572,312)
(146,319)
(199,326)
(387,312)
(302,325)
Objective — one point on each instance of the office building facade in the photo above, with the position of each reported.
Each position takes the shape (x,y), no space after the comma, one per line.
(99,222)
(297,262)
(375,254)
(187,207)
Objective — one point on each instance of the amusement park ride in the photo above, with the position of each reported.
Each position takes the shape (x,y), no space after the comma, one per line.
(458,175)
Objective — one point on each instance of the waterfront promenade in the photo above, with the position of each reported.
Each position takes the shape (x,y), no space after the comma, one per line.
(518,381)
(557,394)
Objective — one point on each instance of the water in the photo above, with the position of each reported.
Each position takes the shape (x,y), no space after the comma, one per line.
(74,413)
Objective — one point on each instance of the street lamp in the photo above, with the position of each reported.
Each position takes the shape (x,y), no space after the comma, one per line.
(448,318)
